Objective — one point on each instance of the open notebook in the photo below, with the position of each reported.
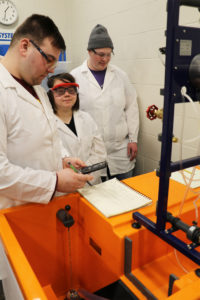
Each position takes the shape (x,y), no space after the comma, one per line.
(113,197)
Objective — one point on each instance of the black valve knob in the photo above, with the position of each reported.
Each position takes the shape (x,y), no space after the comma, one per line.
(64,216)
(68,207)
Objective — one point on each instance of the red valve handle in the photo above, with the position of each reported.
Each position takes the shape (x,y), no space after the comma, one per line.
(151,112)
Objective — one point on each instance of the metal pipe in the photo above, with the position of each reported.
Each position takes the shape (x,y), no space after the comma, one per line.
(192,232)
(194,3)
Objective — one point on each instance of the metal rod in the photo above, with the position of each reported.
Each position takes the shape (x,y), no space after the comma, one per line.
(186,163)
(193,3)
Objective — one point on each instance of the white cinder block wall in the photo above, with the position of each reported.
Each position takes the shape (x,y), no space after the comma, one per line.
(137,29)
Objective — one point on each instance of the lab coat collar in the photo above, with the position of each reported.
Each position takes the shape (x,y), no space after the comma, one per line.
(8,81)
(86,71)
(108,76)
(84,67)
(6,78)
(61,125)
(77,122)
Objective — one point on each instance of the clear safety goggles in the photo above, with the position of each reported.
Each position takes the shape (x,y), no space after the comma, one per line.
(62,88)
(50,60)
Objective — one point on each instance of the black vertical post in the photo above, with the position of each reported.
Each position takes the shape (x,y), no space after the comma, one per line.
(168,116)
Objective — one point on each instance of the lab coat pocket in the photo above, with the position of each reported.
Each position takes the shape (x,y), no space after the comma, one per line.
(121,131)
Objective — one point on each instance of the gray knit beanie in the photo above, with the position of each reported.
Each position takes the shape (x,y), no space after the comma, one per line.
(99,38)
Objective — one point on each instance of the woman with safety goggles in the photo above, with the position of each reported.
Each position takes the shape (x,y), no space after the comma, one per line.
(77,129)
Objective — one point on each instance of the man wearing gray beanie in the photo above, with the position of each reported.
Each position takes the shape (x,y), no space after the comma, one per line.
(107,94)
(99,38)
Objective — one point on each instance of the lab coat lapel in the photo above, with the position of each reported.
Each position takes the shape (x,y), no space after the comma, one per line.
(45,106)
(9,82)
(90,77)
(24,94)
(77,122)
(61,125)
(109,76)
(42,95)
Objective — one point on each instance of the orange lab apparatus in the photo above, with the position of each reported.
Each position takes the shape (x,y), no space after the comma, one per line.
(103,256)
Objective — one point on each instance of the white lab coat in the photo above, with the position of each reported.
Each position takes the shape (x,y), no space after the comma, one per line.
(30,146)
(88,144)
(114,109)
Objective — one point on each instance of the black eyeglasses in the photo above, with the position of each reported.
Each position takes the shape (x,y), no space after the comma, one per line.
(101,54)
(51,61)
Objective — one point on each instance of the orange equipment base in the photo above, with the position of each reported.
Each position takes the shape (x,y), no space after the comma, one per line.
(37,247)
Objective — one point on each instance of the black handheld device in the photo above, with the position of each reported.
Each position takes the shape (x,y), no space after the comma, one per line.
(93,168)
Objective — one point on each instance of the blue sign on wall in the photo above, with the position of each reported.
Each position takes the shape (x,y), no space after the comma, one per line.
(7,37)
(3,49)
(62,56)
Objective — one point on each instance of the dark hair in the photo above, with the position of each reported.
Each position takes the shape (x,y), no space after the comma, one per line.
(65,77)
(38,27)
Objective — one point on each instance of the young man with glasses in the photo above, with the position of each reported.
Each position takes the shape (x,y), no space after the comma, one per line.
(31,155)
(107,94)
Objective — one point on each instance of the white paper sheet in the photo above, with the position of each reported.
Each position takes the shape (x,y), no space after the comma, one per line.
(177,176)
(113,197)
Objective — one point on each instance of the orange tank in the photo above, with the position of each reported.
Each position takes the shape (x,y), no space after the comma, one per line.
(105,252)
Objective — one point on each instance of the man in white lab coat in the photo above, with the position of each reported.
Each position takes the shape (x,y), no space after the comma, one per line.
(107,94)
(31,157)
